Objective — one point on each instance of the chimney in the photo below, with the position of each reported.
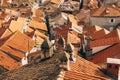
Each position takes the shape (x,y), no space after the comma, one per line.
(88,48)
(46,48)
(82,49)
(47,22)
(69,48)
(61,44)
(81,5)
(64,61)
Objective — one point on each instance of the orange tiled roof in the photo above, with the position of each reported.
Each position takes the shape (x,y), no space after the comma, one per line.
(91,29)
(106,11)
(81,76)
(39,19)
(2,30)
(5,3)
(3,15)
(108,39)
(7,62)
(93,4)
(83,16)
(114,33)
(11,12)
(99,34)
(15,27)
(29,30)
(6,33)
(22,19)
(4,39)
(38,25)
(72,38)
(17,44)
(101,56)
(39,13)
(84,66)
(37,33)
(56,1)
(104,42)
(63,31)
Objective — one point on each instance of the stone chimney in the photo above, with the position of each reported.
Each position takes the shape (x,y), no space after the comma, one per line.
(69,48)
(64,61)
(61,44)
(82,46)
(88,48)
(47,49)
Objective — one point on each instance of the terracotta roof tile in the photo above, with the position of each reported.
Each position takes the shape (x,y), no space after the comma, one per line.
(72,19)
(4,39)
(6,33)
(104,42)
(72,38)
(14,45)
(99,34)
(81,76)
(2,30)
(15,27)
(56,1)
(63,31)
(91,29)
(2,16)
(8,49)
(109,52)
(93,4)
(84,66)
(39,19)
(5,3)
(106,12)
(28,30)
(37,33)
(11,12)
(7,62)
(114,33)
(39,13)
(108,39)
(22,19)
(38,25)
(83,16)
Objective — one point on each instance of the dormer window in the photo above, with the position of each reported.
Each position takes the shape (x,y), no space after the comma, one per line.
(107,11)
(112,20)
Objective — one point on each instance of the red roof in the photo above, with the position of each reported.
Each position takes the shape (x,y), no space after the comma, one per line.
(102,56)
(99,34)
(91,29)
(108,39)
(71,75)
(63,30)
(83,69)
(106,11)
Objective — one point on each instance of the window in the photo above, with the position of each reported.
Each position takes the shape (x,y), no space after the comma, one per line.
(116,66)
(109,66)
(112,21)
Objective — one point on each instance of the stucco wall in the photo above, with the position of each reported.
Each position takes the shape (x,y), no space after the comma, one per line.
(104,21)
